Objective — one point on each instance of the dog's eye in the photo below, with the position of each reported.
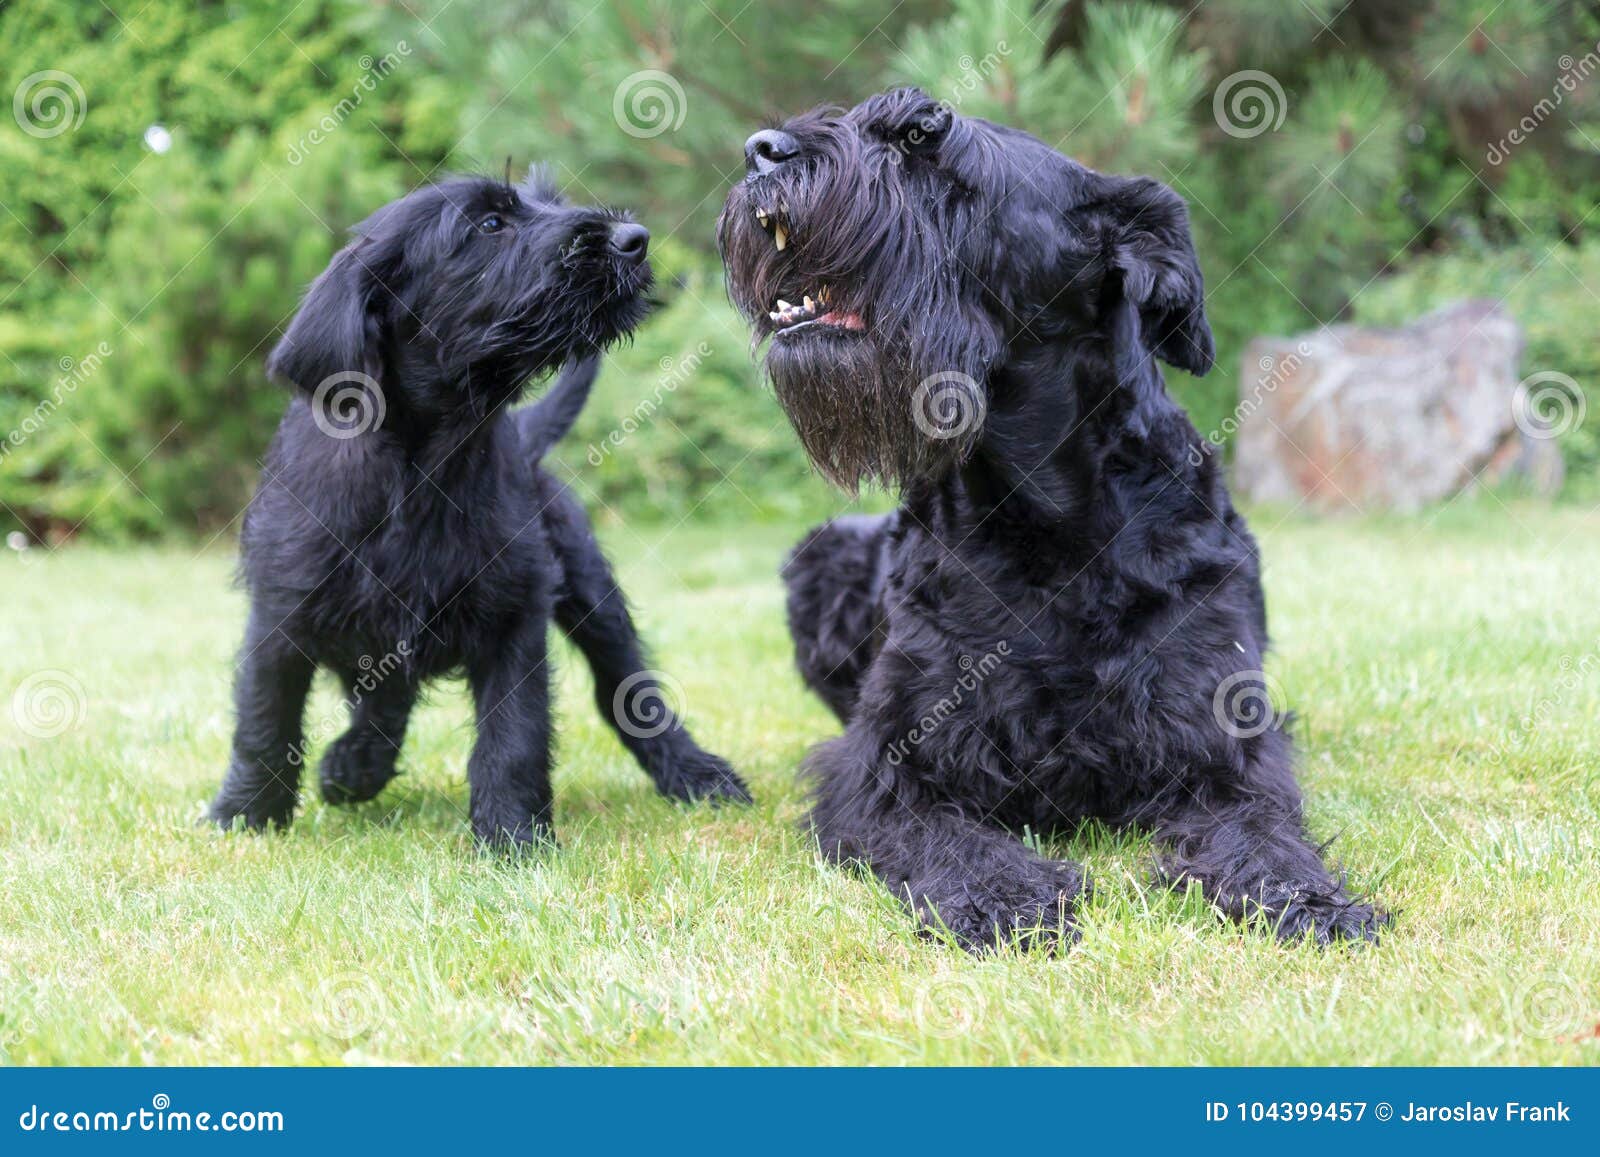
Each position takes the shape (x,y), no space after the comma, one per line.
(923,136)
(492,223)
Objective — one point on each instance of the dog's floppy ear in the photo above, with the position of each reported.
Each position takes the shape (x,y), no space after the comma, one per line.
(338,328)
(1152,254)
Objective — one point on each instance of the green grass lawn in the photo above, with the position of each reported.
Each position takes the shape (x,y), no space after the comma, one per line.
(1413,650)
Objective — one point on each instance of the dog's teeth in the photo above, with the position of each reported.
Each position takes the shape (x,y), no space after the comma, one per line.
(780,235)
(761,215)
(810,305)
(775,315)
(784,306)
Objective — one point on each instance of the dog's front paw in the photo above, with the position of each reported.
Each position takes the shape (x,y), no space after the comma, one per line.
(1328,918)
(357,766)
(699,775)
(1029,905)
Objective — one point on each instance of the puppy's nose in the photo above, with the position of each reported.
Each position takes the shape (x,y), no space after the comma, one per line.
(629,241)
(768,149)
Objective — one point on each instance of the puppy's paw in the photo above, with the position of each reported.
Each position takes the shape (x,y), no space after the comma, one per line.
(1029,905)
(699,775)
(258,811)
(357,766)
(513,839)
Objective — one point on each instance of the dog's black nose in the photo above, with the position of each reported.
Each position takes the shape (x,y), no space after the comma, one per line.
(629,241)
(768,149)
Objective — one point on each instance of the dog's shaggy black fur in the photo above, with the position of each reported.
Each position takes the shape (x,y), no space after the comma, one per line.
(1064,619)
(403,530)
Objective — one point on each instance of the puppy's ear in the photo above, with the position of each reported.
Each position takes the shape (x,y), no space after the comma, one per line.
(338,328)
(1151,253)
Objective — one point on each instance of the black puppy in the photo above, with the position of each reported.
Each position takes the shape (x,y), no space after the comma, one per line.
(1064,619)
(402,529)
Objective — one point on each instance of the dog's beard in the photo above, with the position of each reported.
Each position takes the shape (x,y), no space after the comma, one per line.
(863,414)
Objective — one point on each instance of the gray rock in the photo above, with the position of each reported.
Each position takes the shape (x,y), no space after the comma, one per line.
(1352,418)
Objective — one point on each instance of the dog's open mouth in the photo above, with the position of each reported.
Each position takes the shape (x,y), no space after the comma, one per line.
(813,311)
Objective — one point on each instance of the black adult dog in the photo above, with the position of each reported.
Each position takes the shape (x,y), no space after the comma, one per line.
(1064,619)
(402,528)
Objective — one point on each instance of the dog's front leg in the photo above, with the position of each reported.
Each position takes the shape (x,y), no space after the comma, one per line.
(954,870)
(269,691)
(509,770)
(1254,860)
(361,762)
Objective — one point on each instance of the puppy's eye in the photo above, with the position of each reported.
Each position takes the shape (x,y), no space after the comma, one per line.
(492,223)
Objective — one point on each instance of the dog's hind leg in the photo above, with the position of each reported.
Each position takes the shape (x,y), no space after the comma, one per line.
(591,610)
(269,691)
(358,764)
(958,873)
(834,581)
(1253,859)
